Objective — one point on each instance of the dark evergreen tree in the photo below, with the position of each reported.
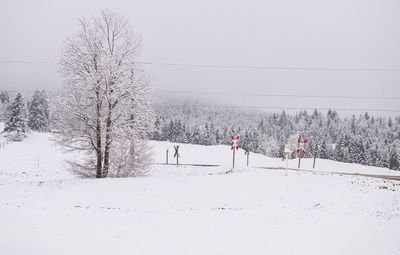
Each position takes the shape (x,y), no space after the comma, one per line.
(4,98)
(16,116)
(245,142)
(218,137)
(157,133)
(4,102)
(38,109)
(323,153)
(393,157)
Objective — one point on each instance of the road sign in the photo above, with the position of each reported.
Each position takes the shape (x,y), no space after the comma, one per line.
(234,148)
(301,142)
(234,142)
(176,154)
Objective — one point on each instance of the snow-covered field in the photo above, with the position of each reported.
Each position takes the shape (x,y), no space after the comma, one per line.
(222,155)
(193,210)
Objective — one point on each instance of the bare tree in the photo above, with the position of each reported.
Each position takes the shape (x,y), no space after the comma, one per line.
(104,109)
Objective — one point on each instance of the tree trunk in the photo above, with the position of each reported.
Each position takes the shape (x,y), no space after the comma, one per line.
(99,160)
(98,137)
(108,142)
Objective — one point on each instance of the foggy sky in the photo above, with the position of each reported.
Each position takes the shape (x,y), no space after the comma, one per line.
(322,34)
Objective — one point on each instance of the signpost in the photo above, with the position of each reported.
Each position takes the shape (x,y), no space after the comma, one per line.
(301,142)
(315,156)
(167,156)
(286,152)
(176,154)
(247,153)
(234,147)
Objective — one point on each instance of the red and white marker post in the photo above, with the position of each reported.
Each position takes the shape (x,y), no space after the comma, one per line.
(301,142)
(234,148)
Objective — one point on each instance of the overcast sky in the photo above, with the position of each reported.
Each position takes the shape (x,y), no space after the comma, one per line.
(284,33)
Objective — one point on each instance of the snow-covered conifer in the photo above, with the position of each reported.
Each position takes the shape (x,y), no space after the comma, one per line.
(393,157)
(4,98)
(16,120)
(38,110)
(4,102)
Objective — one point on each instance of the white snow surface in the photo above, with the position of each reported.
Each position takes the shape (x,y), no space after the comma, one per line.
(192,209)
(222,155)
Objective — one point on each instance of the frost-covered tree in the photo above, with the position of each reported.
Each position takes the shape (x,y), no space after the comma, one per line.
(157,133)
(393,158)
(38,111)
(271,147)
(16,120)
(323,150)
(4,98)
(4,102)
(104,108)
(245,142)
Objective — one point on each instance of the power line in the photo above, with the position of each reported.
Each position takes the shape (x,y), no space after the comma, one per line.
(195,92)
(281,108)
(272,67)
(248,67)
(29,62)
(258,95)
(320,96)
(269,95)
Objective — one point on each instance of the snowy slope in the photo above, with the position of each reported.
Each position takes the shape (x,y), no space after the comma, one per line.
(36,158)
(222,155)
(192,210)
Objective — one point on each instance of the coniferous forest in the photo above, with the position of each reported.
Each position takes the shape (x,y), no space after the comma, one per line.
(363,139)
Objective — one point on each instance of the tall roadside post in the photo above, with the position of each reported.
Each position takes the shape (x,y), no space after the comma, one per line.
(166,157)
(301,142)
(247,153)
(176,154)
(286,152)
(234,148)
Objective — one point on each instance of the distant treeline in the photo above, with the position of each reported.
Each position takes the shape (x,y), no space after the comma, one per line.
(361,139)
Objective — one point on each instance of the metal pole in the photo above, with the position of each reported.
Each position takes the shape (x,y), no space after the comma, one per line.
(248,153)
(233,164)
(167,157)
(287,163)
(315,156)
